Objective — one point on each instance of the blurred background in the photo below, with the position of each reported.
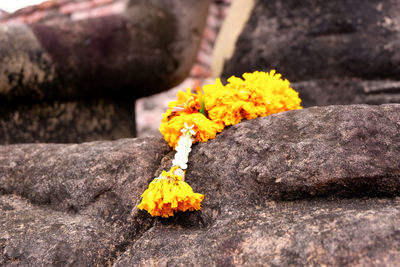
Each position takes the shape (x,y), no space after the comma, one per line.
(12,6)
(148,110)
(84,70)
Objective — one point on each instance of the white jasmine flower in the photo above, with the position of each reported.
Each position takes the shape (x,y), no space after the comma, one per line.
(183,147)
(188,129)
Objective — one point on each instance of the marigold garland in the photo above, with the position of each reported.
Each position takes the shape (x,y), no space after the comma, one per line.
(257,94)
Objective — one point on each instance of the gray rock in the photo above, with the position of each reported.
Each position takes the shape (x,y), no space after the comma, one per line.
(334,50)
(306,187)
(147,49)
(322,92)
(34,235)
(74,204)
(67,121)
(335,150)
(320,39)
(300,233)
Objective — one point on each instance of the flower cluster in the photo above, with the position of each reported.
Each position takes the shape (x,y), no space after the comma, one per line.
(169,193)
(257,94)
(209,112)
(205,128)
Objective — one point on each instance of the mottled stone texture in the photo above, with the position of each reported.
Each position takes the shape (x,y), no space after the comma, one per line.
(73,204)
(322,92)
(299,233)
(318,186)
(330,46)
(67,121)
(145,50)
(336,150)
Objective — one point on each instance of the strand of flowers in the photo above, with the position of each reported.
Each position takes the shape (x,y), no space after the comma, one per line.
(169,192)
(258,94)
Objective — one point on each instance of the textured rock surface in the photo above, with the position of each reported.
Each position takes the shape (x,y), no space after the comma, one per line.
(321,39)
(42,236)
(298,233)
(321,92)
(82,195)
(340,150)
(274,189)
(334,49)
(67,121)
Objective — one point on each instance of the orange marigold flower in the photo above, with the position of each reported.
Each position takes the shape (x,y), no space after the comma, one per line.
(258,94)
(187,103)
(169,193)
(205,129)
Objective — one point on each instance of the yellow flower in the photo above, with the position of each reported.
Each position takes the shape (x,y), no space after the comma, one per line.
(169,193)
(186,103)
(258,94)
(205,129)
